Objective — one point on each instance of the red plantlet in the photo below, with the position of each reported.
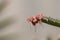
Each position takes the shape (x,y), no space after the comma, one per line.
(32,19)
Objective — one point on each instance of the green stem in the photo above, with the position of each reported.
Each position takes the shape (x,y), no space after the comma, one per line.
(51,21)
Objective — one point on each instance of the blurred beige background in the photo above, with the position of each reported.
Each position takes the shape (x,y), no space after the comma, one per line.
(19,10)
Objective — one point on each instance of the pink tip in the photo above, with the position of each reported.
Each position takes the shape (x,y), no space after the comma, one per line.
(40,16)
(32,18)
(28,20)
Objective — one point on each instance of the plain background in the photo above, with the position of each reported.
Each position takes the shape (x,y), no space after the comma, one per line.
(20,10)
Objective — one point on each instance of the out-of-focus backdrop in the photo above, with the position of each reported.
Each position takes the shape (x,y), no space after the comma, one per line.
(17,11)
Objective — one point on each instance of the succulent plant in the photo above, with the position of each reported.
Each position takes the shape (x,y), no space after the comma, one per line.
(48,20)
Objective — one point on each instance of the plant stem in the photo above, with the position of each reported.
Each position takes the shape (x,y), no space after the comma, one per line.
(51,21)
